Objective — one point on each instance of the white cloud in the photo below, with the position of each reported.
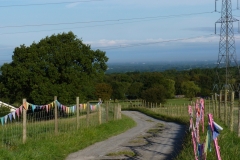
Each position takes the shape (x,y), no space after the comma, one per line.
(202,40)
(159,41)
(72,5)
(161,3)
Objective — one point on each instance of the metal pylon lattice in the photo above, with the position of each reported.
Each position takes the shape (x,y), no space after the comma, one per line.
(227,52)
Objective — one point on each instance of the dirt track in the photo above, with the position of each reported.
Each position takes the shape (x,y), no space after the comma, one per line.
(151,139)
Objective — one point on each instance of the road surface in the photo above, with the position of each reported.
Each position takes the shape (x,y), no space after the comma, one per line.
(151,139)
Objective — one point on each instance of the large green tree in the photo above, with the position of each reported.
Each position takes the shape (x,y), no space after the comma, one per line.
(119,90)
(103,91)
(155,94)
(134,90)
(190,89)
(59,65)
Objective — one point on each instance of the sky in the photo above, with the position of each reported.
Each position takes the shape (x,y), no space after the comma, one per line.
(127,30)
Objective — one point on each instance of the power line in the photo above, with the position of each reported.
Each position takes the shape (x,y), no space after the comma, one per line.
(42,4)
(79,27)
(103,21)
(141,44)
(150,43)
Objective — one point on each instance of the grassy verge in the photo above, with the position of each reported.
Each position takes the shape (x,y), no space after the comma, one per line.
(180,120)
(228,141)
(58,147)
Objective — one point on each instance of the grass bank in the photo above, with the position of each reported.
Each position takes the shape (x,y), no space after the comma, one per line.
(58,147)
(180,120)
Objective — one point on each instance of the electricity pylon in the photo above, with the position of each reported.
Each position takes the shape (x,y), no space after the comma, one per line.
(227,57)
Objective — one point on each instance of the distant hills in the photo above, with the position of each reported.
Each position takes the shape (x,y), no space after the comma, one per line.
(123,67)
(157,66)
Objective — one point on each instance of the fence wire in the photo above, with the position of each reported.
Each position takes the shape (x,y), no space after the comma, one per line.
(41,124)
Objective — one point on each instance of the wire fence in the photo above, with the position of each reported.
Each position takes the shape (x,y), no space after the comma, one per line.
(37,122)
(222,106)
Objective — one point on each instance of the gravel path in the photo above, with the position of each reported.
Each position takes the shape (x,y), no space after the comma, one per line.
(151,139)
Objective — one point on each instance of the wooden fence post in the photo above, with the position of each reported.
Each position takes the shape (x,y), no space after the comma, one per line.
(119,112)
(213,112)
(24,122)
(209,105)
(220,105)
(77,110)
(107,111)
(88,106)
(99,113)
(114,112)
(56,116)
(216,105)
(238,113)
(231,111)
(225,107)
(238,121)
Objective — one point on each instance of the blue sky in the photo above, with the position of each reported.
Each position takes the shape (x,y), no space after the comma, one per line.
(150,27)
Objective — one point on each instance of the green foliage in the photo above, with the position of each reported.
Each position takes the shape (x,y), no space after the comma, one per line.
(4,110)
(134,90)
(58,65)
(151,79)
(148,112)
(119,89)
(103,91)
(190,89)
(169,88)
(155,94)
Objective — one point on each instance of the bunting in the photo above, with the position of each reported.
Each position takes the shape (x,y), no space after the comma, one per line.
(200,149)
(25,105)
(10,117)
(2,120)
(13,114)
(216,129)
(33,107)
(17,111)
(21,108)
(6,117)
(46,107)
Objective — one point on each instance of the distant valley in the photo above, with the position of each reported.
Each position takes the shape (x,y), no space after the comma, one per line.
(157,66)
